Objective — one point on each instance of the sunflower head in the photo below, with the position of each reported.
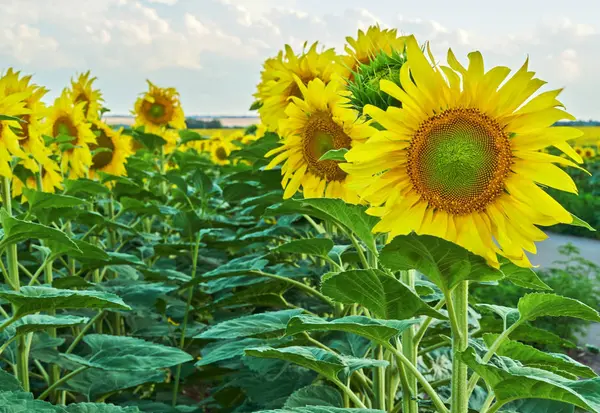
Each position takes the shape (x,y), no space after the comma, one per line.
(368,45)
(12,104)
(589,153)
(462,160)
(317,123)
(578,150)
(82,91)
(110,151)
(220,149)
(158,109)
(50,178)
(278,79)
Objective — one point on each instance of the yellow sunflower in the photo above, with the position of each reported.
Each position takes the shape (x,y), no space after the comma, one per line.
(578,150)
(30,138)
(589,153)
(117,149)
(158,109)
(51,180)
(67,119)
(172,137)
(365,46)
(11,104)
(278,79)
(220,149)
(316,124)
(461,159)
(82,91)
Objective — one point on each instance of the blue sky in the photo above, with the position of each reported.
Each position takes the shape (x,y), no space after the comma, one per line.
(212,50)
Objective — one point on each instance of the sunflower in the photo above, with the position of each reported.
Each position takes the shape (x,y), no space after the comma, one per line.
(172,137)
(278,82)
(67,119)
(51,180)
(578,150)
(318,123)
(82,91)
(220,149)
(11,104)
(115,148)
(366,46)
(589,153)
(158,109)
(29,136)
(460,160)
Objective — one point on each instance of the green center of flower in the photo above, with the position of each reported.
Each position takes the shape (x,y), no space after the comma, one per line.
(458,160)
(321,134)
(64,126)
(157,110)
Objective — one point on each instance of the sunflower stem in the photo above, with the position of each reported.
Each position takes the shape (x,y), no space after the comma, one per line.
(409,401)
(459,303)
(12,259)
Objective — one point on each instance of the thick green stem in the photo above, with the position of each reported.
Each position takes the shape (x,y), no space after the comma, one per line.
(188,306)
(13,273)
(379,381)
(97,317)
(347,391)
(410,404)
(459,302)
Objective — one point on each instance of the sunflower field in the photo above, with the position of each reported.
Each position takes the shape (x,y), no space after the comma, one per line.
(319,262)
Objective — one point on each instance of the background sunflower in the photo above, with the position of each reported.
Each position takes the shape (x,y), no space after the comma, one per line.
(110,152)
(82,91)
(158,109)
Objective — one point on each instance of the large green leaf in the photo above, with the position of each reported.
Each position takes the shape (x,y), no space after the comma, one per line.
(99,408)
(443,262)
(316,359)
(36,322)
(118,353)
(250,325)
(30,300)
(535,305)
(43,200)
(384,295)
(315,395)
(227,350)
(523,277)
(16,230)
(9,382)
(311,246)
(21,402)
(93,383)
(373,329)
(530,356)
(510,382)
(78,187)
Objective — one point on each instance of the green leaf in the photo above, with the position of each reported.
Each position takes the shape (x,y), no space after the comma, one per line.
(311,246)
(9,382)
(509,315)
(535,305)
(334,155)
(12,118)
(373,329)
(36,322)
(187,135)
(16,230)
(326,363)
(523,277)
(530,356)
(315,395)
(320,409)
(78,187)
(257,104)
(118,353)
(352,217)
(578,222)
(99,408)
(227,350)
(43,200)
(382,294)
(81,250)
(512,382)
(250,325)
(30,300)
(21,402)
(443,262)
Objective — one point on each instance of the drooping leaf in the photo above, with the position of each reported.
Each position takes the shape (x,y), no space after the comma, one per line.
(36,322)
(250,325)
(534,305)
(373,329)
(119,353)
(44,200)
(22,402)
(334,155)
(512,382)
(221,351)
(78,187)
(99,408)
(313,246)
(315,395)
(385,296)
(30,300)
(93,383)
(523,277)
(443,262)
(530,356)
(16,230)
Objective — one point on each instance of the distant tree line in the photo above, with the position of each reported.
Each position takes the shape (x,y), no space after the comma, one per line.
(192,123)
(578,123)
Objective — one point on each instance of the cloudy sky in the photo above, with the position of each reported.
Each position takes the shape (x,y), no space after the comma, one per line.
(212,50)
